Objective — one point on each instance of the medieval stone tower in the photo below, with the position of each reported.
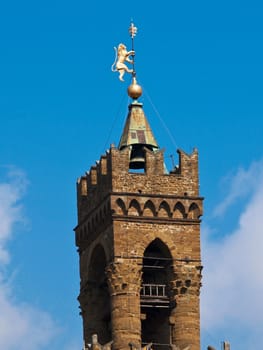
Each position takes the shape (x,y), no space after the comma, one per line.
(138,237)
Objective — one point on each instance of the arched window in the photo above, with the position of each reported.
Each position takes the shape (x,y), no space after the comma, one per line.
(99,297)
(156,296)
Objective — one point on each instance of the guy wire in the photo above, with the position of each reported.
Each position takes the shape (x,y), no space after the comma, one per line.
(114,122)
(160,118)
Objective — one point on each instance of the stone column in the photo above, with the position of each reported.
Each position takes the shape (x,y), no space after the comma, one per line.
(185,317)
(124,279)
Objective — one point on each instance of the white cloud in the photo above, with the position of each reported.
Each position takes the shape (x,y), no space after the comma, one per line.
(233,279)
(10,210)
(22,326)
(242,184)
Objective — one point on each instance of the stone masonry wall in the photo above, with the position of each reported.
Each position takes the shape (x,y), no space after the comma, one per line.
(122,213)
(130,241)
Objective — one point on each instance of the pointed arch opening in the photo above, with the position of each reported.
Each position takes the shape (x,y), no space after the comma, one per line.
(194,211)
(156,295)
(134,208)
(164,210)
(99,315)
(179,211)
(121,208)
(149,209)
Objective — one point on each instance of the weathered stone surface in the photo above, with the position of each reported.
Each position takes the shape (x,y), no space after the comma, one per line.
(122,217)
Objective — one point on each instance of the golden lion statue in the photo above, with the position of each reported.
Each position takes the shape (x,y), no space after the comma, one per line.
(122,55)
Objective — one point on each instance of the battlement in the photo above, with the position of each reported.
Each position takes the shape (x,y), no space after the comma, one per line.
(111,174)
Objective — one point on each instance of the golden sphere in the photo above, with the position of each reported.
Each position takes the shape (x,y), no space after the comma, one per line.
(134,90)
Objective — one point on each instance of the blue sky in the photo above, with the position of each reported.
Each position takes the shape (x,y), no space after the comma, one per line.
(201,68)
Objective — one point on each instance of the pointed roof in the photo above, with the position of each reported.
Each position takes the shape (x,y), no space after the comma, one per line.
(137,135)
(137,130)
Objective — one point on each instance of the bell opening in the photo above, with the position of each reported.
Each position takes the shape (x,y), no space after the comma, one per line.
(137,157)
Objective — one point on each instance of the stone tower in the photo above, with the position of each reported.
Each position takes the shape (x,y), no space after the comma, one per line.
(138,237)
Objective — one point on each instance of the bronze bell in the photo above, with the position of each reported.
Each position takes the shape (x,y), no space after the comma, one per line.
(137,157)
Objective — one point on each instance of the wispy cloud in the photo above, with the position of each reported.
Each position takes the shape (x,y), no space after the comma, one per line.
(233,280)
(10,209)
(22,326)
(239,185)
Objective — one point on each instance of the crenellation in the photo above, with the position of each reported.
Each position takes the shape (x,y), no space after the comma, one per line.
(154,162)
(98,182)
(119,160)
(82,187)
(103,165)
(93,177)
(82,192)
(186,181)
(188,167)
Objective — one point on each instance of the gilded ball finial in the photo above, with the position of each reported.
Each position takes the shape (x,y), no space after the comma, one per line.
(134,90)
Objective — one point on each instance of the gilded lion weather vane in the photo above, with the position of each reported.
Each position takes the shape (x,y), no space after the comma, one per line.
(122,55)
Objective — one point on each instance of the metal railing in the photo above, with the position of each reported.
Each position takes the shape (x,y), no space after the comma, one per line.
(154,290)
